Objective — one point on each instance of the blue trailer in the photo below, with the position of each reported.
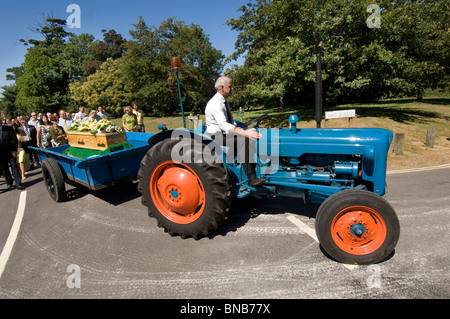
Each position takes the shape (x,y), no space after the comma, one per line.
(95,172)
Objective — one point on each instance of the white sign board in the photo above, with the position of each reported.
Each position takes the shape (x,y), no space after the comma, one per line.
(340,114)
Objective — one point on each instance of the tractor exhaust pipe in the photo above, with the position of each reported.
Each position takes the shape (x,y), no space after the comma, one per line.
(319,90)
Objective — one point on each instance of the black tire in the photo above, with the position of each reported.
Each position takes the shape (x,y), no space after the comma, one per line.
(209,182)
(357,227)
(53,179)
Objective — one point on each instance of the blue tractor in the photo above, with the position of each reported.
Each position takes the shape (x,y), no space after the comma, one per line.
(342,169)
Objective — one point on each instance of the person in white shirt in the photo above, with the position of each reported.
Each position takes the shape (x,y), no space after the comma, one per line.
(140,117)
(220,123)
(33,120)
(80,115)
(102,114)
(64,121)
(25,128)
(92,117)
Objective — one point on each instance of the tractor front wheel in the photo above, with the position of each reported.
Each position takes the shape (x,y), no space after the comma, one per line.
(357,227)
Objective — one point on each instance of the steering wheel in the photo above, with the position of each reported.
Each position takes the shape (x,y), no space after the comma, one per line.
(257,120)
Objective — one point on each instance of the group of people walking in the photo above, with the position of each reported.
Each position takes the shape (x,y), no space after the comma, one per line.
(16,136)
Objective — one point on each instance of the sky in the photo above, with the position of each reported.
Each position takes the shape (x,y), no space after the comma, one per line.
(18,16)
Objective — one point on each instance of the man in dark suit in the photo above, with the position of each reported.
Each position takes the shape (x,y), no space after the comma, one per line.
(8,153)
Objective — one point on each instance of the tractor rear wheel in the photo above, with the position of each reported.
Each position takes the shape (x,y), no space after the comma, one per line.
(357,227)
(188,199)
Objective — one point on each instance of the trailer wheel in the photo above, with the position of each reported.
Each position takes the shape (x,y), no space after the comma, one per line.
(357,227)
(53,179)
(188,199)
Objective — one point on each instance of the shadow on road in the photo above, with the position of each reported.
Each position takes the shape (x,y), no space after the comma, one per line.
(250,207)
(113,195)
(118,194)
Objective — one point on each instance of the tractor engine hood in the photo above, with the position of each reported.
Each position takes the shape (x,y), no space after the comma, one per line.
(371,144)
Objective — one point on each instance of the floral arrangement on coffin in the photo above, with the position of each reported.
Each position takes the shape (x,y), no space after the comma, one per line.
(102,126)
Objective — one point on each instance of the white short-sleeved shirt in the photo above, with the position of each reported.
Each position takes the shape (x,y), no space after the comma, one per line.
(103,115)
(80,116)
(68,122)
(216,115)
(33,123)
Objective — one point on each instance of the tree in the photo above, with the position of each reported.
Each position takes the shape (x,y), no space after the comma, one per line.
(7,102)
(112,46)
(420,33)
(357,64)
(148,60)
(280,39)
(140,71)
(50,65)
(76,54)
(279,56)
(107,87)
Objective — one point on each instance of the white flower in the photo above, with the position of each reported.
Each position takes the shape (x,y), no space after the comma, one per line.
(102,126)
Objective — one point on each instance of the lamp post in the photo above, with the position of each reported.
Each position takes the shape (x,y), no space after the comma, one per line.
(175,64)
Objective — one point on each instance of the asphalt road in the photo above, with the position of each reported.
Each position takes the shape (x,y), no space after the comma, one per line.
(103,245)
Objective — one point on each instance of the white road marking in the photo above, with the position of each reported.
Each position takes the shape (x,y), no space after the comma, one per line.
(303,227)
(420,169)
(4,256)
(311,233)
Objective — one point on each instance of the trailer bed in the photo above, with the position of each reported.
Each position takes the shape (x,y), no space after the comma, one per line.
(101,171)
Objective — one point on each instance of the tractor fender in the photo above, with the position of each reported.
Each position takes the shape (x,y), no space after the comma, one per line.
(184,134)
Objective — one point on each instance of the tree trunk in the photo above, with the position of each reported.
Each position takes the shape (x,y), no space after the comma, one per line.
(419,96)
(281,104)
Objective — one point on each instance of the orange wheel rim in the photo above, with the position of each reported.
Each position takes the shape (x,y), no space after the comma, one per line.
(177,192)
(358,230)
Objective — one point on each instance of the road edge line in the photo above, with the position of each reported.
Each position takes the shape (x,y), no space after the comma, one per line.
(417,169)
(7,249)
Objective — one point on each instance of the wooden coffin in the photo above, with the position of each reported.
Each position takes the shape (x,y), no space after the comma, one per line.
(99,141)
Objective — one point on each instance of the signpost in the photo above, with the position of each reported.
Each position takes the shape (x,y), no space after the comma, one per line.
(350,114)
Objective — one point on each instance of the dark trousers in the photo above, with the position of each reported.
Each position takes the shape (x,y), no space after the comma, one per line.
(5,163)
(241,147)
